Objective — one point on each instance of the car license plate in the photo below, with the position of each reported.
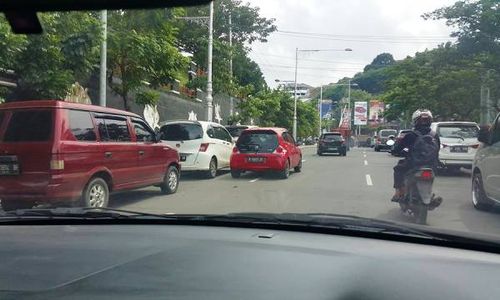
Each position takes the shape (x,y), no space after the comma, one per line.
(255,159)
(459,149)
(9,165)
(332,148)
(183,157)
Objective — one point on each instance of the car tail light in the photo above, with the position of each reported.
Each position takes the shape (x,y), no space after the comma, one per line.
(235,150)
(426,175)
(203,147)
(279,150)
(57,164)
(475,146)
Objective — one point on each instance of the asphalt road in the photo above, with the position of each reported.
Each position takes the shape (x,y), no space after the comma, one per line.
(359,184)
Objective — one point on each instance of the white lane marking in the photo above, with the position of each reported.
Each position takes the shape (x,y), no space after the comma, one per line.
(366,162)
(364,155)
(303,160)
(255,179)
(369,180)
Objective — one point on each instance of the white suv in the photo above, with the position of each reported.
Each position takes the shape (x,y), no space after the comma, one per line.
(458,143)
(202,146)
(486,170)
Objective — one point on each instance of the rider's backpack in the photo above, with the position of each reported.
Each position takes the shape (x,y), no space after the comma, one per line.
(425,149)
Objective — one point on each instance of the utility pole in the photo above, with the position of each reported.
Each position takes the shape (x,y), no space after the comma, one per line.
(295,96)
(320,108)
(210,105)
(231,103)
(103,67)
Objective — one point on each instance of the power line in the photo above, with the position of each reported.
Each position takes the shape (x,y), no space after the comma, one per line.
(395,37)
(312,60)
(361,41)
(311,68)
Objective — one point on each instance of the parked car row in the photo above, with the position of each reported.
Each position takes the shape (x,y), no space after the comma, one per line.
(56,152)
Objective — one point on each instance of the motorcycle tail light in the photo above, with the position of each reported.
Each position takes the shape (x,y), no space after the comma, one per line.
(426,175)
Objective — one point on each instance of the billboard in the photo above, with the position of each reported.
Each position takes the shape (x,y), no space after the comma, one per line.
(377,108)
(360,113)
(345,121)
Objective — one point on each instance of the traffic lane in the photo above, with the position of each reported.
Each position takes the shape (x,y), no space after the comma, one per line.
(455,213)
(331,184)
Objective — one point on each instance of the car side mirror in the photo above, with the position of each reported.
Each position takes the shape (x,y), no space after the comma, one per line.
(484,135)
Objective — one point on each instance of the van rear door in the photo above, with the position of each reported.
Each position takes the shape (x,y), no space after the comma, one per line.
(26,141)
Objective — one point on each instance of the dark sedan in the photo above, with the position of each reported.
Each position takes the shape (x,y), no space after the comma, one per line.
(332,142)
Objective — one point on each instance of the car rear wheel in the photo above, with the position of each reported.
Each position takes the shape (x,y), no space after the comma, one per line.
(212,168)
(16,204)
(479,198)
(96,193)
(298,168)
(235,174)
(377,149)
(285,173)
(319,153)
(171,181)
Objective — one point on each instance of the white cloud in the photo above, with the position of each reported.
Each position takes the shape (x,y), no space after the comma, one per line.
(369,27)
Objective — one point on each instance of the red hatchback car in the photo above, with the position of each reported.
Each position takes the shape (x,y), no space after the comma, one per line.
(55,151)
(266,149)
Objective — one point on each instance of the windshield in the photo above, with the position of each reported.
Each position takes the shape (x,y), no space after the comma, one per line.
(145,109)
(458,131)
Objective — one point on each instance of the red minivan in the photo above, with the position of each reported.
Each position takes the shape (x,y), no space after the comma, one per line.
(266,149)
(56,151)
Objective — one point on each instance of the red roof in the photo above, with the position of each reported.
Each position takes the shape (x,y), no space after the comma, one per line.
(63,104)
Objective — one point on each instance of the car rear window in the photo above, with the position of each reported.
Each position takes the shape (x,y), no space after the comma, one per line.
(332,137)
(29,126)
(458,131)
(264,141)
(181,132)
(386,133)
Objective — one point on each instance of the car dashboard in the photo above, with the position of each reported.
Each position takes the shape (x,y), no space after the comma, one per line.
(207,262)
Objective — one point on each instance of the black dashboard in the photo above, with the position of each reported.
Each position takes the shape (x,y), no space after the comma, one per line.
(202,262)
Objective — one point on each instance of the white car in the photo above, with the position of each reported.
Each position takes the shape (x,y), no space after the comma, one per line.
(486,170)
(202,146)
(458,143)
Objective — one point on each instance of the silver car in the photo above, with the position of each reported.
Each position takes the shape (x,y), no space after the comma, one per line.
(486,168)
(458,143)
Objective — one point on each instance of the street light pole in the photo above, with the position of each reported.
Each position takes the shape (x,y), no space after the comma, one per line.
(209,67)
(103,67)
(295,96)
(295,90)
(231,102)
(320,108)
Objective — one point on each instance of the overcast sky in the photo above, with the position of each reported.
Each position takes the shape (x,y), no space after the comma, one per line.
(368,27)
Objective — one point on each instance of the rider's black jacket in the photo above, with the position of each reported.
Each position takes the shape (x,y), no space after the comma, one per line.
(409,139)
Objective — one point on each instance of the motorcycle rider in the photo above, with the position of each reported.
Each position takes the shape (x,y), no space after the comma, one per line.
(422,119)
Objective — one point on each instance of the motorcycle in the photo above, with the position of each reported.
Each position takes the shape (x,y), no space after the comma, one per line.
(418,198)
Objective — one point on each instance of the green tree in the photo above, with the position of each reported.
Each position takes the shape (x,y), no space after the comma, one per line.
(48,64)
(142,49)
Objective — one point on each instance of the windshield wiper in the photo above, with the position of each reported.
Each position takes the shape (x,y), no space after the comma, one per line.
(77,212)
